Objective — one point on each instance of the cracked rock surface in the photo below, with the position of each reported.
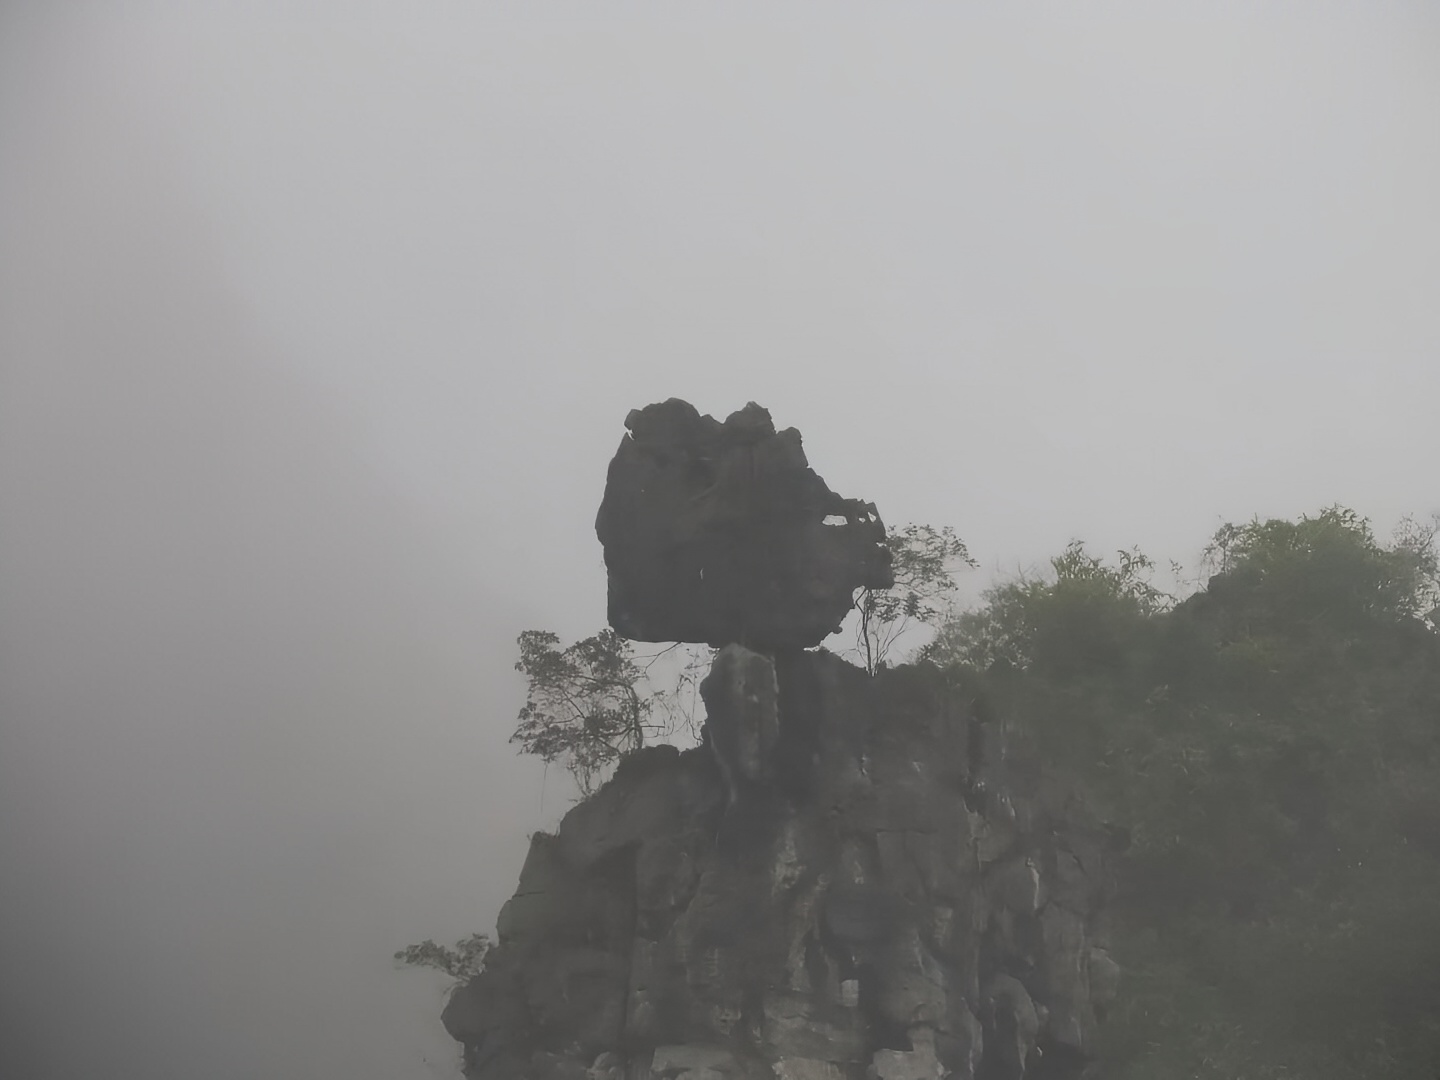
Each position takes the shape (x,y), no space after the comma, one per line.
(845,881)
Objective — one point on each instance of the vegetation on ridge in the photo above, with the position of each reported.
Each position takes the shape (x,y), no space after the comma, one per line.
(1272,744)
(461,961)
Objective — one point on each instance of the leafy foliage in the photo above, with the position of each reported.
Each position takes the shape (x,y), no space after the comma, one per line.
(583,707)
(1083,617)
(591,703)
(462,961)
(1330,566)
(1272,744)
(924,560)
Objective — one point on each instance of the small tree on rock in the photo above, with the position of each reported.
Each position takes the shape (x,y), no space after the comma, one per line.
(462,961)
(592,703)
(924,560)
(584,706)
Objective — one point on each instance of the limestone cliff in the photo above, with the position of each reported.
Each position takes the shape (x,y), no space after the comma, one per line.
(874,896)
(846,880)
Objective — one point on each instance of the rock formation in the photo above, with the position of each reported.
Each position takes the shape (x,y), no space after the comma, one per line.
(844,881)
(722,533)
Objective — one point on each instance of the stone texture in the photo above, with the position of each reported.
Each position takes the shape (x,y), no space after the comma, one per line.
(722,533)
(877,899)
(846,881)
(1014,1025)
(918,1063)
(679,1060)
(742,719)
(793,1068)
(1104,975)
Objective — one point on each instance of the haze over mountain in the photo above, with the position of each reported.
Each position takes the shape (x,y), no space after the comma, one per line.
(317,331)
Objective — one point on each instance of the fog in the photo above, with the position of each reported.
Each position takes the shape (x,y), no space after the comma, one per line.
(318,327)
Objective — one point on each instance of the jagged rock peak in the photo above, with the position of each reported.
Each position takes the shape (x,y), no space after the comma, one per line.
(721,532)
(845,883)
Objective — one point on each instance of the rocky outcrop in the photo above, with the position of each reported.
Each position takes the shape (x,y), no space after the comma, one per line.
(845,881)
(722,533)
(742,702)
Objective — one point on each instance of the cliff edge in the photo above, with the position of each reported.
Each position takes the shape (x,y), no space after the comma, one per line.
(845,880)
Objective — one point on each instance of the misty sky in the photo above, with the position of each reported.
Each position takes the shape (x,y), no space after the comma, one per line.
(319,323)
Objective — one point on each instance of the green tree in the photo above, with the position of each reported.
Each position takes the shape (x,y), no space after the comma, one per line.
(924,560)
(584,705)
(1323,576)
(593,702)
(1270,745)
(462,961)
(1081,615)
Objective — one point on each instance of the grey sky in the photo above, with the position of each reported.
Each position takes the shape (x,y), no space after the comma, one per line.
(317,332)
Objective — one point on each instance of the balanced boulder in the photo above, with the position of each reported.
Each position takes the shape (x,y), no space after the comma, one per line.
(722,533)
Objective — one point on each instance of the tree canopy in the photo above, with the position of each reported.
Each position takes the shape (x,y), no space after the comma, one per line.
(924,560)
(589,704)
(1271,744)
(461,961)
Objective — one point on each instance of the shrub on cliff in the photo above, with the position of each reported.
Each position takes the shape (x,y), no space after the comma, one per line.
(591,703)
(461,961)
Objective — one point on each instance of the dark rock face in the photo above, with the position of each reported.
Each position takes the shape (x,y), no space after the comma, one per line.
(832,888)
(844,882)
(717,532)
(742,710)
